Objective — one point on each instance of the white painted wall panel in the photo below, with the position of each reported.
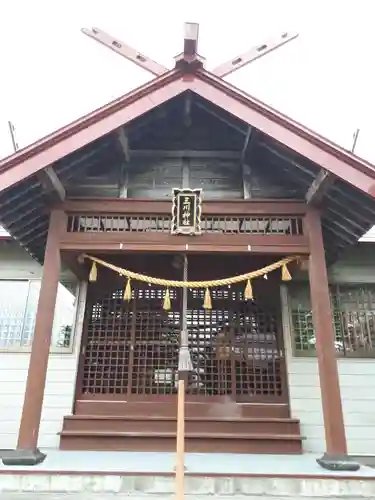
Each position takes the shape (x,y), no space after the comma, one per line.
(60,384)
(357,383)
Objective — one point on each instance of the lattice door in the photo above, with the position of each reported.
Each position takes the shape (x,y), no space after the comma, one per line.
(132,348)
(236,348)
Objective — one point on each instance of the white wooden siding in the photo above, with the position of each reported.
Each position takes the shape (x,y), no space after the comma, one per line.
(357,382)
(58,400)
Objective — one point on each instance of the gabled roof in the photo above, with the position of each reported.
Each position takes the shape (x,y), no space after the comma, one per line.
(345,165)
(289,142)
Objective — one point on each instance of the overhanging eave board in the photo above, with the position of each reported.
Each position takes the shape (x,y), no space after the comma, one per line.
(65,141)
(344,165)
(294,136)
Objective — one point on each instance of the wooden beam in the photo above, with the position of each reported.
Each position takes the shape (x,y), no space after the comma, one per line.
(246,142)
(319,187)
(207,242)
(189,60)
(246,169)
(254,53)
(185,153)
(134,206)
(126,51)
(187,110)
(123,174)
(219,117)
(51,183)
(124,143)
(191,35)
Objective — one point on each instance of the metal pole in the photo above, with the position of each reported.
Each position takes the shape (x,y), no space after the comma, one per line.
(184,368)
(12,131)
(355,139)
(184,298)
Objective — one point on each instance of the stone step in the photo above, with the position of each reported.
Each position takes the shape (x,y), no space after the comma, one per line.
(157,487)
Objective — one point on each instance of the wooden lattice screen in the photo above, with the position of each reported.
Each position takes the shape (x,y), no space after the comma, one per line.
(132,348)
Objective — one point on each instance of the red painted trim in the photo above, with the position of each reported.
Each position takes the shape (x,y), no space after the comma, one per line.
(335,159)
(345,165)
(39,155)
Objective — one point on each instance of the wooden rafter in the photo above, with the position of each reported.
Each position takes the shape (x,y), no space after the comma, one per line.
(47,177)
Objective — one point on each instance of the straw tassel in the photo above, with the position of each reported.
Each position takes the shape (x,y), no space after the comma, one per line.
(285,274)
(128,291)
(93,273)
(249,291)
(167,301)
(207,304)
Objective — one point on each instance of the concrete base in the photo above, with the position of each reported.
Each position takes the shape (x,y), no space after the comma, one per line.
(94,475)
(23,457)
(338,463)
(196,487)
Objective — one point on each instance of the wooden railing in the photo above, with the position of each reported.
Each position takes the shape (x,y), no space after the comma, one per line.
(115,224)
(161,223)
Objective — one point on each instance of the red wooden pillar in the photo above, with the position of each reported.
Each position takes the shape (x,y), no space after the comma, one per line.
(335,456)
(27,452)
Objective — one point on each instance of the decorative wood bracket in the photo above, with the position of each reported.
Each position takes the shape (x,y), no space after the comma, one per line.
(51,183)
(319,187)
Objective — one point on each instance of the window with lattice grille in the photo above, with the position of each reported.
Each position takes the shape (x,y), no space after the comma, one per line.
(18,306)
(353,311)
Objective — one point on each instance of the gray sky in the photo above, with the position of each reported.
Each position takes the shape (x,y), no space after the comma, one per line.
(52,74)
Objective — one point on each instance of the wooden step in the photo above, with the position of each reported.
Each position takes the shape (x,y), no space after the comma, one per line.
(169,408)
(141,423)
(195,442)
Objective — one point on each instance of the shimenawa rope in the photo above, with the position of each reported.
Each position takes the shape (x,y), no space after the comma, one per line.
(192,284)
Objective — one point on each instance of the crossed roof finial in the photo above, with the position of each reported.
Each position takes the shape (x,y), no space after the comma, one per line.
(190,54)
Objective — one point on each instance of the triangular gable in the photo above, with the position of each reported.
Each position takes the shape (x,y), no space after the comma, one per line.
(329,156)
(95,125)
(295,136)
